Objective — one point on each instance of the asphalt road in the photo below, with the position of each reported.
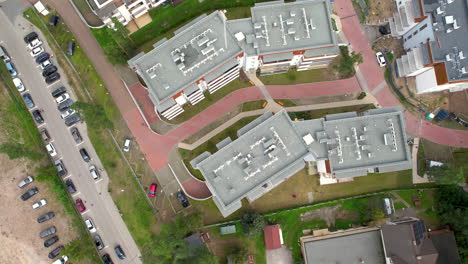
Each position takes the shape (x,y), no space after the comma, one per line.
(99,204)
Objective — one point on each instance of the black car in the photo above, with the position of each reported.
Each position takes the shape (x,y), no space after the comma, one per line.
(182,199)
(45,217)
(28,100)
(76,134)
(49,242)
(42,57)
(38,117)
(70,186)
(49,70)
(29,193)
(120,253)
(71,48)
(52,78)
(54,253)
(70,121)
(62,171)
(98,242)
(48,232)
(85,155)
(59,91)
(30,37)
(107,259)
(53,21)
(65,105)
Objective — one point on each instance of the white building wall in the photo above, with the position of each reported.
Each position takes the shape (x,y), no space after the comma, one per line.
(252,63)
(418,34)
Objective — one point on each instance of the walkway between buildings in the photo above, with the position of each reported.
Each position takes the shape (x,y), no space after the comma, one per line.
(414,154)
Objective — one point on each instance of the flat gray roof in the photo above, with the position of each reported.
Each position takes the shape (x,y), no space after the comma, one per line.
(354,246)
(194,51)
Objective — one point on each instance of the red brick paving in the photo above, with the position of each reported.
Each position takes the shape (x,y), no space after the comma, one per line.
(141,95)
(197,189)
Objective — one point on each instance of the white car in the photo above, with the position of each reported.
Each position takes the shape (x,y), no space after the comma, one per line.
(381,59)
(90,225)
(25,182)
(61,260)
(36,51)
(126,146)
(45,64)
(94,172)
(62,98)
(51,149)
(18,84)
(39,204)
(34,43)
(67,113)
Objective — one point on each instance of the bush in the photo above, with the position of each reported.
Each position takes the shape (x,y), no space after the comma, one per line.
(347,62)
(252,224)
(361,96)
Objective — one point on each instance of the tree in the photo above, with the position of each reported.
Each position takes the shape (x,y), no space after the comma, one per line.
(238,255)
(446,174)
(252,224)
(347,62)
(94,114)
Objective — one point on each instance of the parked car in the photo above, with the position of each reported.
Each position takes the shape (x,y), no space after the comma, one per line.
(25,182)
(18,84)
(98,242)
(11,69)
(35,43)
(42,57)
(70,121)
(37,116)
(48,232)
(53,21)
(52,78)
(182,199)
(30,37)
(94,172)
(61,260)
(80,205)
(45,217)
(49,69)
(45,64)
(29,193)
(107,259)
(71,48)
(90,225)
(380,59)
(36,51)
(84,154)
(70,186)
(152,190)
(51,149)
(49,242)
(59,91)
(67,113)
(3,55)
(28,100)
(76,135)
(119,252)
(54,253)
(126,145)
(62,98)
(65,105)
(62,171)
(45,135)
(39,204)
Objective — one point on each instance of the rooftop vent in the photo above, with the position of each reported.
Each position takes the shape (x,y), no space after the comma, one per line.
(308,139)
(239,36)
(449,20)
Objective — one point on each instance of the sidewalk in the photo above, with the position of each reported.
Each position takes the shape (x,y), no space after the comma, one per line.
(414,153)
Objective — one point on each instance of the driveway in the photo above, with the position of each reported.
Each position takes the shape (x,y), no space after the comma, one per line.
(279,256)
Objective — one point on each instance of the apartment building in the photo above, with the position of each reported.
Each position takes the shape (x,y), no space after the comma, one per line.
(209,53)
(124,10)
(434,34)
(273,148)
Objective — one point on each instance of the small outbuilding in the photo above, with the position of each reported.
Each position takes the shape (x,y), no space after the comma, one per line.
(273,237)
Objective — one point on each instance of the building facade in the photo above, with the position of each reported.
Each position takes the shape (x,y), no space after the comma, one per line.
(209,53)
(434,36)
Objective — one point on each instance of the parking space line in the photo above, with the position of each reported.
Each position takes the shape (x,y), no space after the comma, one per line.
(75,194)
(99,180)
(80,143)
(82,213)
(41,125)
(66,177)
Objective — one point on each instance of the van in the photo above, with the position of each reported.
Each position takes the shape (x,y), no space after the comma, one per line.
(71,48)
(11,69)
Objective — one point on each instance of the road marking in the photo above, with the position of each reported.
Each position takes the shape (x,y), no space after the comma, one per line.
(106,247)
(99,180)
(67,176)
(82,213)
(48,86)
(41,125)
(80,143)
(75,194)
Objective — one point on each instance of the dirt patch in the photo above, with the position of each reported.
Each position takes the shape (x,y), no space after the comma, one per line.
(328,214)
(325,99)
(380,11)
(345,214)
(391,45)
(19,230)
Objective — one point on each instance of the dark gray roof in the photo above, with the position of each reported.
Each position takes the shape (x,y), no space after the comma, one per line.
(106,11)
(321,51)
(194,240)
(278,57)
(446,245)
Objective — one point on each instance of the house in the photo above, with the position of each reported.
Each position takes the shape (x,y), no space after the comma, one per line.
(208,53)
(273,237)
(400,241)
(272,148)
(434,36)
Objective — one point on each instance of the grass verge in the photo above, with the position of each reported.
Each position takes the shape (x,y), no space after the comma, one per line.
(294,77)
(319,113)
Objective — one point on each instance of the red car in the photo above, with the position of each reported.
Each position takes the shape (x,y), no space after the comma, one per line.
(152,190)
(80,205)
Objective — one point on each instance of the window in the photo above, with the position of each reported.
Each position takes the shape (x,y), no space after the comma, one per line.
(409,37)
(423,27)
(415,32)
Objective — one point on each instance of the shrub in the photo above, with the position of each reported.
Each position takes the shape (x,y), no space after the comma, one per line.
(361,96)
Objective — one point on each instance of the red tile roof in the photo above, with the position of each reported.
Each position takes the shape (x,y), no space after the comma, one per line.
(272,236)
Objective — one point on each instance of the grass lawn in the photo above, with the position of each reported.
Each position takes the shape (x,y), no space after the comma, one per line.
(426,197)
(294,77)
(285,102)
(238,12)
(319,113)
(193,110)
(136,212)
(253,105)
(399,205)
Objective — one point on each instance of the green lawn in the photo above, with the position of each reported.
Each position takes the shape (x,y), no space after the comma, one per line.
(285,102)
(238,12)
(319,113)
(294,77)
(399,205)
(252,105)
(426,197)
